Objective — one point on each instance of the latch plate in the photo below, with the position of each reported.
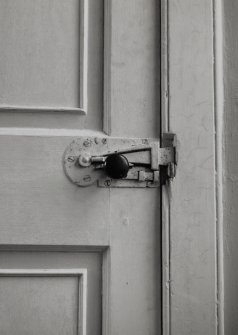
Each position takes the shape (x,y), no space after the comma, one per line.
(145,157)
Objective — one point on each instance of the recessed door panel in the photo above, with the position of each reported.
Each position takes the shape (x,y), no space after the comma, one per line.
(54,293)
(33,34)
(51,63)
(39,305)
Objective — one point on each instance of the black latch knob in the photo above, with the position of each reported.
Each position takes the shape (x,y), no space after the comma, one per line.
(117,166)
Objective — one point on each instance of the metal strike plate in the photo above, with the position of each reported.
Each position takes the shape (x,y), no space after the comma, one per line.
(84,159)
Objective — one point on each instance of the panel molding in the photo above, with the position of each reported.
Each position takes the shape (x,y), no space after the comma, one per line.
(83,75)
(83,98)
(106,289)
(82,287)
(107,67)
(30,109)
(53,248)
(219,118)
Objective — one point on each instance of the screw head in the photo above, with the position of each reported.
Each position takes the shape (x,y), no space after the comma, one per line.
(107,182)
(87,179)
(71,159)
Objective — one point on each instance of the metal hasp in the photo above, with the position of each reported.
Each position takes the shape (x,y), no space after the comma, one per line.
(120,162)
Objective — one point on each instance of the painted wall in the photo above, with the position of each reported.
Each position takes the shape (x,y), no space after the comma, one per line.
(231,165)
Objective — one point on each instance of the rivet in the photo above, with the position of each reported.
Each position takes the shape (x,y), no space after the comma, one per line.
(87,143)
(104,141)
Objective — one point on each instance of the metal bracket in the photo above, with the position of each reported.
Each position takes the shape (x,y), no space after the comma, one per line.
(150,164)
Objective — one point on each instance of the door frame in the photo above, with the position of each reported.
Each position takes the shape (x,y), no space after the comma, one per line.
(192,108)
(178,300)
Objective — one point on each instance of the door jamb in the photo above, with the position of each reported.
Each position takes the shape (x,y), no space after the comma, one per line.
(165,205)
(217,24)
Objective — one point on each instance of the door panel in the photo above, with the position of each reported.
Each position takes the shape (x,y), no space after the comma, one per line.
(39,204)
(42,47)
(50,293)
(38,305)
(49,223)
(33,34)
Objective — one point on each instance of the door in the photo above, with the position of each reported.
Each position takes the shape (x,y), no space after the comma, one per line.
(77,260)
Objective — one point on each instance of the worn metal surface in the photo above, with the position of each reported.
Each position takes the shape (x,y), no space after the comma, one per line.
(85,176)
(84,161)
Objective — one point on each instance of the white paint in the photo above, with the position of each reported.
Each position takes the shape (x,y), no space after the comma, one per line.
(219,124)
(135,68)
(82,290)
(166,292)
(49,132)
(83,69)
(106,288)
(25,73)
(42,48)
(192,240)
(42,272)
(42,210)
(230,165)
(78,273)
(107,67)
(23,109)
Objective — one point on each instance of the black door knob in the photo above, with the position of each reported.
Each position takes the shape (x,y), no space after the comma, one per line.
(117,166)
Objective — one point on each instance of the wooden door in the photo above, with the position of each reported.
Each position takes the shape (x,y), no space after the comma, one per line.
(76,260)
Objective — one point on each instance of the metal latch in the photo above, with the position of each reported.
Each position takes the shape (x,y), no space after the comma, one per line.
(120,162)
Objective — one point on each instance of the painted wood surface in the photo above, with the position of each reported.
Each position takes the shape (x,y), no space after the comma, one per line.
(32,36)
(230,177)
(46,47)
(50,293)
(35,304)
(135,68)
(193,305)
(42,211)
(135,230)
